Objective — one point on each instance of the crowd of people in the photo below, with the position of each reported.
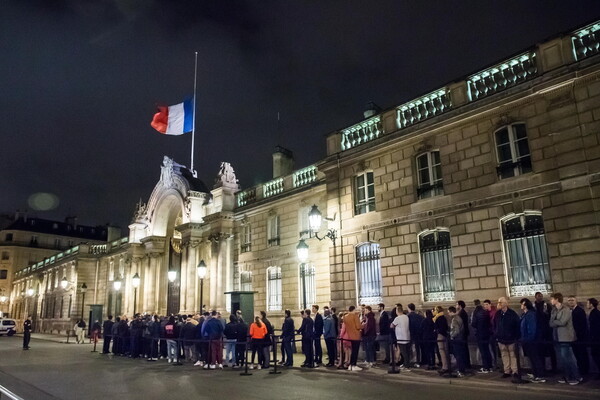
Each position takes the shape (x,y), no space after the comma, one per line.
(406,338)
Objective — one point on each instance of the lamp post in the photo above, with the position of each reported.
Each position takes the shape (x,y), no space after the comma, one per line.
(135,282)
(201,269)
(83,290)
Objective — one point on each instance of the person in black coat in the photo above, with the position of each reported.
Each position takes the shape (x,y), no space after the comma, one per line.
(594,324)
(307,331)
(482,324)
(107,334)
(544,334)
(580,324)
(318,332)
(414,326)
(287,338)
(508,331)
(462,313)
(268,340)
(428,338)
(27,326)
(241,342)
(384,332)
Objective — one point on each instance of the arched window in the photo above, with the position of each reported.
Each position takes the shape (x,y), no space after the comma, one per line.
(368,273)
(436,265)
(307,287)
(274,293)
(526,254)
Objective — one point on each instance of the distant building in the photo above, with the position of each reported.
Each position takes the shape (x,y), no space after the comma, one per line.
(486,187)
(26,240)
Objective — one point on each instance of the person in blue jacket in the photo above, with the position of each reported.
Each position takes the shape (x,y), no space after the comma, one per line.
(529,334)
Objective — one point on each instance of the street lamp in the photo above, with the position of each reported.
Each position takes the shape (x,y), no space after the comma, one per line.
(315,218)
(117,284)
(172,275)
(64,282)
(302,251)
(135,282)
(30,292)
(201,269)
(83,290)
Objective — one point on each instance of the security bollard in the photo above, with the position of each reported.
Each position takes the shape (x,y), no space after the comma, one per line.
(246,373)
(393,369)
(274,357)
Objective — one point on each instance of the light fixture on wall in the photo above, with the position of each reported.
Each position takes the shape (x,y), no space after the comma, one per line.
(172,275)
(135,282)
(315,219)
(201,270)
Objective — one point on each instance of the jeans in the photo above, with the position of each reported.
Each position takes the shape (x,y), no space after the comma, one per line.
(384,343)
(486,355)
(318,350)
(287,350)
(369,348)
(532,350)
(230,350)
(460,351)
(172,351)
(106,344)
(330,344)
(567,361)
(354,354)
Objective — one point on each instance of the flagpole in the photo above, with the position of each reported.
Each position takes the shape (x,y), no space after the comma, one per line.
(194,115)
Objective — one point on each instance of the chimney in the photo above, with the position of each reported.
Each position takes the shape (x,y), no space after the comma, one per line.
(283,162)
(371,109)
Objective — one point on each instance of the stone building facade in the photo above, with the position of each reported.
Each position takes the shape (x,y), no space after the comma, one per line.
(486,187)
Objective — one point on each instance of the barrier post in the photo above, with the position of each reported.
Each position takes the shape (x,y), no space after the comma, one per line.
(246,373)
(274,357)
(393,369)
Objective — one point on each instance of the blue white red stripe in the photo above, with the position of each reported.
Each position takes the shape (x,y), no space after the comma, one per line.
(174,120)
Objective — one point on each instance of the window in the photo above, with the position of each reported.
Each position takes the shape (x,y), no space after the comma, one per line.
(513,151)
(303,226)
(246,281)
(429,172)
(436,265)
(3,274)
(5,255)
(308,291)
(57,243)
(364,193)
(34,240)
(368,274)
(526,254)
(273,231)
(274,294)
(9,237)
(70,243)
(246,239)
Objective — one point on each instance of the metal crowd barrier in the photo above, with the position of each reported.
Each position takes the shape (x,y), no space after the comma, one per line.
(5,393)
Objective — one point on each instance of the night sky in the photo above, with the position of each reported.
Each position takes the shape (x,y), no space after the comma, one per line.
(80,81)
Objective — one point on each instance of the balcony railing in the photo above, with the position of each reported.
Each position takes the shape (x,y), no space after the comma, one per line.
(246,197)
(502,76)
(305,176)
(586,41)
(422,108)
(273,187)
(362,132)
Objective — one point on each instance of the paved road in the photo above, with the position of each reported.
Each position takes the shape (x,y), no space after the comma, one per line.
(52,370)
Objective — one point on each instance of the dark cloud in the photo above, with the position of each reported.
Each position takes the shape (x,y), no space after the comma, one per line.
(80,80)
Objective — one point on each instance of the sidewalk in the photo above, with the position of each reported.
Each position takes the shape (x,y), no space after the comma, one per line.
(590,387)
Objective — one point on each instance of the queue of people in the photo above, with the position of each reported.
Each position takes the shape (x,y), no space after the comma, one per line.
(405,337)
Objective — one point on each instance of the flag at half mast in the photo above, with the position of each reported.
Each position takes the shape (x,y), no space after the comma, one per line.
(175,120)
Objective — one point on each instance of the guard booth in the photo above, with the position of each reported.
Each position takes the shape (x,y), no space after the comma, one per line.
(95,314)
(244,301)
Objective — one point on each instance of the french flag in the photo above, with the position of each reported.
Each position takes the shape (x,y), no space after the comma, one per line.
(174,120)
